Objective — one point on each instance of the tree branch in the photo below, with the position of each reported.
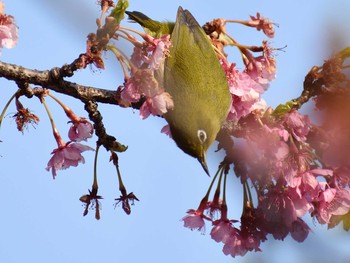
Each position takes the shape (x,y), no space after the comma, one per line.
(49,79)
(53,80)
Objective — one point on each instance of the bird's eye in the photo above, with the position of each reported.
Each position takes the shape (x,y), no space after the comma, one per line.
(202,136)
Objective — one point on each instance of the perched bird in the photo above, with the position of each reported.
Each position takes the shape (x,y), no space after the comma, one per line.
(197,83)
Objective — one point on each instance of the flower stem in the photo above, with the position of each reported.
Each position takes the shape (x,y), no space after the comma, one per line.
(121,58)
(141,34)
(6,106)
(94,184)
(247,197)
(70,114)
(122,188)
(55,132)
(218,188)
(224,190)
(212,182)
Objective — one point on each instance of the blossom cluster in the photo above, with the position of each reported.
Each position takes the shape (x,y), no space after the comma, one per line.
(279,163)
(246,87)
(147,59)
(69,153)
(293,166)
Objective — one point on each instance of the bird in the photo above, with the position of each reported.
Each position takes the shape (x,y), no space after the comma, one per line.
(196,81)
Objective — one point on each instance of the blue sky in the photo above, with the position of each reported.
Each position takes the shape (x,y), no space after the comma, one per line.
(42,218)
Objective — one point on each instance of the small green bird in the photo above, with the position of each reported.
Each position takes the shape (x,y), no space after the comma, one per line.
(197,83)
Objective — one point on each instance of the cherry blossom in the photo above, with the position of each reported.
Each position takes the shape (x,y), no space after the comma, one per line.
(222,230)
(300,230)
(332,202)
(80,130)
(159,48)
(8,29)
(156,105)
(194,220)
(279,213)
(244,90)
(66,156)
(262,23)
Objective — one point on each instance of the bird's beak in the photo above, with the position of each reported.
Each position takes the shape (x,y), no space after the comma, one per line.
(203,162)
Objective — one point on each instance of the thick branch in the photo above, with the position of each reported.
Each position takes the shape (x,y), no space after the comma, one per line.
(46,79)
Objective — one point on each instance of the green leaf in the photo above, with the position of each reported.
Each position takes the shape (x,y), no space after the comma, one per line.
(284,108)
(119,10)
(118,147)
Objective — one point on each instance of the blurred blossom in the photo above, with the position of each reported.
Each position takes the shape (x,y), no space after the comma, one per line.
(8,29)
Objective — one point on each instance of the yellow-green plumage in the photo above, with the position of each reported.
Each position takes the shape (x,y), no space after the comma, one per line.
(151,27)
(197,83)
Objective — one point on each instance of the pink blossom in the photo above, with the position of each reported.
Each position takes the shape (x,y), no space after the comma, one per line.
(273,142)
(259,105)
(194,220)
(282,151)
(66,156)
(159,48)
(303,193)
(235,246)
(244,86)
(265,153)
(332,201)
(262,69)
(262,23)
(166,130)
(80,131)
(284,134)
(222,230)
(8,30)
(279,212)
(217,209)
(309,179)
(306,184)
(147,83)
(244,90)
(239,242)
(156,105)
(302,201)
(341,176)
(300,230)
(8,36)
(322,172)
(297,124)
(136,57)
(131,91)
(141,83)
(252,230)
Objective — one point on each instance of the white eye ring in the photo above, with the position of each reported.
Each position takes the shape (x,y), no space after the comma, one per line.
(202,136)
